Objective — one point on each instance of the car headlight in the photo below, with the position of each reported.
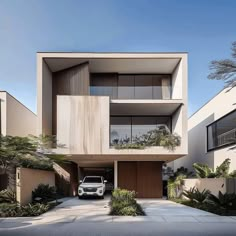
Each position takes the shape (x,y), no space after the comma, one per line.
(81,188)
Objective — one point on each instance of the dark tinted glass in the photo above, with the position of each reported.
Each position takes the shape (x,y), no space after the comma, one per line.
(222,132)
(126,87)
(120,129)
(143,87)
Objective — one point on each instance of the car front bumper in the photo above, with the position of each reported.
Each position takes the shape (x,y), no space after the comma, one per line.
(99,192)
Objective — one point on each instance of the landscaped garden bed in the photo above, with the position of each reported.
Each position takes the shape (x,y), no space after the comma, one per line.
(123,203)
(44,198)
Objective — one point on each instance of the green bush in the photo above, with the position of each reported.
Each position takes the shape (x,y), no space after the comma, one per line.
(15,210)
(7,196)
(226,200)
(44,193)
(123,203)
(195,195)
(34,209)
(33,162)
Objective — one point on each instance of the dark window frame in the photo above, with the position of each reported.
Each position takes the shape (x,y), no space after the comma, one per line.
(222,146)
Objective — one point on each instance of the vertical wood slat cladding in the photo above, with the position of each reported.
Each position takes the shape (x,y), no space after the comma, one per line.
(144,177)
(72,81)
(149,179)
(127,175)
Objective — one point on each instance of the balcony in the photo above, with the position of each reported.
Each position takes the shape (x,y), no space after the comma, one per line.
(131,86)
(128,128)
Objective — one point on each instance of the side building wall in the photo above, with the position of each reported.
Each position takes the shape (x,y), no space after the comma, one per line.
(16,119)
(220,105)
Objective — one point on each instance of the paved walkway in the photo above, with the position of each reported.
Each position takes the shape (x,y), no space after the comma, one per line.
(90,217)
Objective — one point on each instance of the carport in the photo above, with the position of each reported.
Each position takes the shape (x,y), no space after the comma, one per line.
(105,169)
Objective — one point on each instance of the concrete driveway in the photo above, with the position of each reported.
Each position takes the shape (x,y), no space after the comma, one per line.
(90,217)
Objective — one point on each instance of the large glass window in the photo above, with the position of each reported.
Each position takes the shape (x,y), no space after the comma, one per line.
(119,86)
(222,132)
(120,129)
(127,128)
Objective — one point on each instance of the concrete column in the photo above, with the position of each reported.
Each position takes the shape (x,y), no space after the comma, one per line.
(115,174)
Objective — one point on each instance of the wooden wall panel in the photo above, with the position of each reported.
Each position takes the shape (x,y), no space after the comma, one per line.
(71,81)
(127,175)
(83,123)
(149,179)
(144,177)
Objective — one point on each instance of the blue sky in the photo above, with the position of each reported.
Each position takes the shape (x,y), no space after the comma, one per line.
(204,29)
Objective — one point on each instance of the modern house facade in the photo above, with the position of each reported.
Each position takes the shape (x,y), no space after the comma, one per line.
(91,101)
(212,132)
(15,118)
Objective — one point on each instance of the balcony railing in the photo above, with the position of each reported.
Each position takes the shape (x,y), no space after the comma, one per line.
(227,137)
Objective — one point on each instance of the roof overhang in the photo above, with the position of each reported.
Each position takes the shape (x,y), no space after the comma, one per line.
(163,63)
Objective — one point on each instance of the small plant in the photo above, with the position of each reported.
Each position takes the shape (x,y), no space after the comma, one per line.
(123,203)
(7,196)
(195,195)
(44,193)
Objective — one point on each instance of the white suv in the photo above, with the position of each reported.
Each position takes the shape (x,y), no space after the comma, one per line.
(92,186)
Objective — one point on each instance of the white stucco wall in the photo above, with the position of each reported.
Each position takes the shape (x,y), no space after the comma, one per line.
(220,105)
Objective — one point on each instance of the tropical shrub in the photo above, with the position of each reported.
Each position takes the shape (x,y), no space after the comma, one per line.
(7,196)
(175,182)
(123,203)
(33,209)
(226,200)
(15,210)
(195,195)
(203,170)
(222,171)
(44,193)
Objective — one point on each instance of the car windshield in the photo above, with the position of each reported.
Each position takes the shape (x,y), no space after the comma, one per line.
(92,180)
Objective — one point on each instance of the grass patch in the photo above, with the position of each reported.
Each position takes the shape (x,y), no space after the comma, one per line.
(123,203)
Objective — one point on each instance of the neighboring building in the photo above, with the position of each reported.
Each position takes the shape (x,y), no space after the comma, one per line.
(212,132)
(89,100)
(15,118)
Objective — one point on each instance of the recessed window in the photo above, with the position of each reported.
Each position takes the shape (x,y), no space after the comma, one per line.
(130,86)
(222,132)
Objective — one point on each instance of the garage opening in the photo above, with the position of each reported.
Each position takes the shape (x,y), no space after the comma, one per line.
(144,177)
(106,172)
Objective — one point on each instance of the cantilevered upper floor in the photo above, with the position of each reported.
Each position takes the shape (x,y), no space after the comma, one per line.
(87,98)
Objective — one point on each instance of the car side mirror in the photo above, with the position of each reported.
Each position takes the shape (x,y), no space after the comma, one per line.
(105,181)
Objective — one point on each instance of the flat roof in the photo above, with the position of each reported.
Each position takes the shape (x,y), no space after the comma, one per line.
(163,63)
